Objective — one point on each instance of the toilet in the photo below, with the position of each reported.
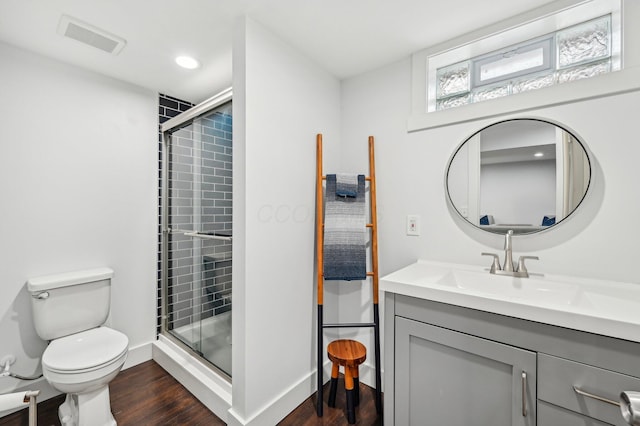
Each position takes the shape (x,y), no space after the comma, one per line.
(83,355)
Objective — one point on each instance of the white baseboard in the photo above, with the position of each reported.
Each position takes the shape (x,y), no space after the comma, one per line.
(279,406)
(138,355)
(212,390)
(288,400)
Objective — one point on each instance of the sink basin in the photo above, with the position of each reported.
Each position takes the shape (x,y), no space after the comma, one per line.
(596,306)
(528,290)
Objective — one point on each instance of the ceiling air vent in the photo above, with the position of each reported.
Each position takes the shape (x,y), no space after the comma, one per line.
(88,34)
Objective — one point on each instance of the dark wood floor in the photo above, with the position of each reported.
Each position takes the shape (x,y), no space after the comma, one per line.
(305,414)
(146,395)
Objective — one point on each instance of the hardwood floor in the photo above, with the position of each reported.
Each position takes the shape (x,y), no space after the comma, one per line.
(305,414)
(142,395)
(146,395)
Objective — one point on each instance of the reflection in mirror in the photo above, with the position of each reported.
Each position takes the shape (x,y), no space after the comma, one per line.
(522,174)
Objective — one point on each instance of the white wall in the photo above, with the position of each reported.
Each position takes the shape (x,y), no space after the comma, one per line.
(518,193)
(599,241)
(77,190)
(281,101)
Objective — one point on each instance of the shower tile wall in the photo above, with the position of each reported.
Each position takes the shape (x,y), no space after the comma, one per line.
(168,107)
(200,288)
(217,211)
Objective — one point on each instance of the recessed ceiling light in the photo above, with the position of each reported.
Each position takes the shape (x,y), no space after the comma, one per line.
(187,62)
(538,154)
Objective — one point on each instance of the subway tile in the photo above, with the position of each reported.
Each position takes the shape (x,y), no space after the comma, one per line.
(223,157)
(213,195)
(224,172)
(170,103)
(222,309)
(223,188)
(171,112)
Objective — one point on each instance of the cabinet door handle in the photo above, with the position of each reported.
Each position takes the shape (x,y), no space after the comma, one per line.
(596,397)
(524,394)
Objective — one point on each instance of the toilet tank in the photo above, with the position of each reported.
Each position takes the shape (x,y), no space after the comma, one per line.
(68,303)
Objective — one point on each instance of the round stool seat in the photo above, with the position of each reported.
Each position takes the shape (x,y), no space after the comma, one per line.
(348,353)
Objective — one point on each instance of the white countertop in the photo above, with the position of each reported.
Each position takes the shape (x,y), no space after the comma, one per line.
(602,307)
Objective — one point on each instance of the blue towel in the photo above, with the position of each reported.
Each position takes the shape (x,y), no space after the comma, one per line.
(346,185)
(487,219)
(345,227)
(549,220)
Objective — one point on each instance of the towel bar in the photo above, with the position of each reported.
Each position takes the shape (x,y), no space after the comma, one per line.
(207,236)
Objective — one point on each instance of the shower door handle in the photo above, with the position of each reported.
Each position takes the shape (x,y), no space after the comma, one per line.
(208,236)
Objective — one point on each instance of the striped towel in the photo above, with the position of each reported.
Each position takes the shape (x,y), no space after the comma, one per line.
(345,227)
(346,185)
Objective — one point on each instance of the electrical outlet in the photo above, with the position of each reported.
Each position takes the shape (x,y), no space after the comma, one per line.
(413,224)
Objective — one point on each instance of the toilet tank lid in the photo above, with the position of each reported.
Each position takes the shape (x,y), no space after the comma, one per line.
(48,282)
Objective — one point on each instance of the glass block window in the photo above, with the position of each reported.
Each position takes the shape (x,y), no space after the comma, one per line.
(586,42)
(573,53)
(453,80)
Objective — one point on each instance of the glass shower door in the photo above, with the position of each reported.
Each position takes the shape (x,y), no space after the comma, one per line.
(197,250)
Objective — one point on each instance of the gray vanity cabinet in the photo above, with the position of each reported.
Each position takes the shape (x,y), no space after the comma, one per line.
(447,365)
(448,378)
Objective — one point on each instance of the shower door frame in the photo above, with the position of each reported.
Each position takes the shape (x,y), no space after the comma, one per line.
(182,119)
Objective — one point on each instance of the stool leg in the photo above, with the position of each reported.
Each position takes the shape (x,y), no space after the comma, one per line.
(334,384)
(348,384)
(356,386)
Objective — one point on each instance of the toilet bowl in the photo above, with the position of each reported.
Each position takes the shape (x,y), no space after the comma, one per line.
(83,355)
(82,365)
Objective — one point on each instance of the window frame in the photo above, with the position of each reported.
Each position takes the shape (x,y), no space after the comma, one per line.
(544,20)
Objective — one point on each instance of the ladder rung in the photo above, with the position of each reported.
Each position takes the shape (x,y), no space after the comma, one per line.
(369,225)
(367,178)
(350,324)
(369,274)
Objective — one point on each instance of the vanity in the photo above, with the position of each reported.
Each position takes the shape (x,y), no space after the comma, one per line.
(498,345)
(465,347)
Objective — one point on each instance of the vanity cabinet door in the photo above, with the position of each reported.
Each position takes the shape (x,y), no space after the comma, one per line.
(444,377)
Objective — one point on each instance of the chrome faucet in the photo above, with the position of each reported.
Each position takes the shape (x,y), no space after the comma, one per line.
(519,271)
(508,253)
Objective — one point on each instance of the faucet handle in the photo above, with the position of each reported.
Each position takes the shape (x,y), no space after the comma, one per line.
(521,267)
(495,265)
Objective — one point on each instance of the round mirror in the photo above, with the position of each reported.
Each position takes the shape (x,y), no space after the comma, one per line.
(526,175)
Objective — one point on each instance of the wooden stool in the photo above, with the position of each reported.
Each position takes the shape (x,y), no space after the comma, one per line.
(350,354)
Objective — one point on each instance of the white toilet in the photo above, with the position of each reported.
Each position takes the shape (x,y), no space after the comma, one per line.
(83,356)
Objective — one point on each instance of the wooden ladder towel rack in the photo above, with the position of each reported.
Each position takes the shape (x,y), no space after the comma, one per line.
(373,274)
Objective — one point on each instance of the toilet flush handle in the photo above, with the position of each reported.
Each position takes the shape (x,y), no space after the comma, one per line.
(43,295)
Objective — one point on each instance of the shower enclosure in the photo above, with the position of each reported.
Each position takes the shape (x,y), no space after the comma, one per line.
(197,230)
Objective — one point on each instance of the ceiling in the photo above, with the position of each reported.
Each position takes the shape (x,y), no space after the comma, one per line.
(345,37)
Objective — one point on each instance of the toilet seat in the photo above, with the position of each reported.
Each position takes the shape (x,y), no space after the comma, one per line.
(85,351)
